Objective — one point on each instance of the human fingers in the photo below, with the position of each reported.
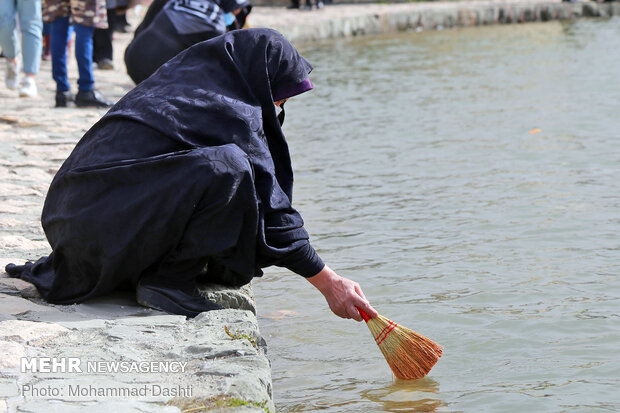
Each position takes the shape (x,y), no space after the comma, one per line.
(353,313)
(365,304)
(343,305)
(356,304)
(359,291)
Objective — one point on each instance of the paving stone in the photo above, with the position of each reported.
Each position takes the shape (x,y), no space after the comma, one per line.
(39,406)
(17,242)
(15,286)
(8,388)
(80,324)
(29,331)
(16,305)
(155,320)
(234,298)
(11,354)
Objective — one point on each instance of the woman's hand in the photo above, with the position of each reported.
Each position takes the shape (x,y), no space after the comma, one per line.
(342,294)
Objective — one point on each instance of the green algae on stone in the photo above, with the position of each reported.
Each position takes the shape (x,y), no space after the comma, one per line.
(237,336)
(198,405)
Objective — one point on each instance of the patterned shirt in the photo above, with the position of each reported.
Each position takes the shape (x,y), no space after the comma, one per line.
(91,13)
(194,16)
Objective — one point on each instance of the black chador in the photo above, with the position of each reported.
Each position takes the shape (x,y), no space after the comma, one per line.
(188,177)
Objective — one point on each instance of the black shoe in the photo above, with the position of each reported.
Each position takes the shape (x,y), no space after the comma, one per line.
(122,28)
(173,301)
(62,98)
(91,98)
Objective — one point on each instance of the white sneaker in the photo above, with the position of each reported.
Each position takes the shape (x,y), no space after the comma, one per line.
(12,75)
(29,88)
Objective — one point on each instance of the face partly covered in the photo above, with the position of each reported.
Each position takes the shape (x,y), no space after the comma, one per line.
(284,91)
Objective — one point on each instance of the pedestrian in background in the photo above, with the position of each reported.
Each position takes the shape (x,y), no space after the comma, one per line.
(31,26)
(47,47)
(85,15)
(295,4)
(171,26)
(103,50)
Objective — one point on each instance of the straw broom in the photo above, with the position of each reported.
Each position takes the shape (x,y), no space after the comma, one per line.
(409,354)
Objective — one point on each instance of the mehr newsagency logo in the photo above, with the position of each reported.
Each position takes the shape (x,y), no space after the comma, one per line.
(85,388)
(76,365)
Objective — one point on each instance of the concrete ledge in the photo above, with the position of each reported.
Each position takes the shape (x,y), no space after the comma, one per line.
(217,360)
(339,21)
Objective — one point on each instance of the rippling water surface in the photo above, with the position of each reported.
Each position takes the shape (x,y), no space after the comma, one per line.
(420,174)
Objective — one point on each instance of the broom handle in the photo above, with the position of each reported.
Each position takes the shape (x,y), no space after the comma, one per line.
(365,316)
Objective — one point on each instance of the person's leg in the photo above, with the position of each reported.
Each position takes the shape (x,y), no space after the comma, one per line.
(102,44)
(98,41)
(115,20)
(59,36)
(47,53)
(120,23)
(9,42)
(84,56)
(86,96)
(31,26)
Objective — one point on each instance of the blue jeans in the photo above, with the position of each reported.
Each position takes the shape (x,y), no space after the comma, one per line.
(59,36)
(30,24)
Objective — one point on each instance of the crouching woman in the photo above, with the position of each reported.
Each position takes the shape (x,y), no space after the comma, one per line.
(186,179)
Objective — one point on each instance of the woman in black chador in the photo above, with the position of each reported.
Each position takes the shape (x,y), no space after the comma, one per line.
(187,178)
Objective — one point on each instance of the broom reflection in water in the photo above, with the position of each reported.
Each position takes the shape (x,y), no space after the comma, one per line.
(407,396)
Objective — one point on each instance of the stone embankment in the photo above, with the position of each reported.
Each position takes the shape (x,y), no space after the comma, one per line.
(111,355)
(221,370)
(346,20)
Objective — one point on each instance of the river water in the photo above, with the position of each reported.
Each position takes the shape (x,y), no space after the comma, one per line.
(469,180)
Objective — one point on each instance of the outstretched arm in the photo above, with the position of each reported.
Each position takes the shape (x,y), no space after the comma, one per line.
(342,294)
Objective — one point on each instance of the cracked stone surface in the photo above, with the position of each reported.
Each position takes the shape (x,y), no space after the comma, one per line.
(15,286)
(241,298)
(209,362)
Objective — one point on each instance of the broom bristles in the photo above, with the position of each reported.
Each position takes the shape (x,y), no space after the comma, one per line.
(410,355)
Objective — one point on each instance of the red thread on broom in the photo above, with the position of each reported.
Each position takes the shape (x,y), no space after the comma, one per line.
(410,355)
(391,326)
